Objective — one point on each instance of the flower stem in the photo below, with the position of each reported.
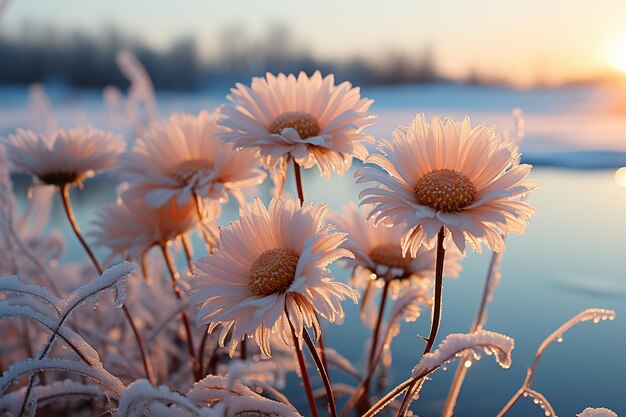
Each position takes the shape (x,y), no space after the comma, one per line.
(202,218)
(296,169)
(303,371)
(379,321)
(183,314)
(201,350)
(300,188)
(243,350)
(65,197)
(375,336)
(188,254)
(323,370)
(436,312)
(461,370)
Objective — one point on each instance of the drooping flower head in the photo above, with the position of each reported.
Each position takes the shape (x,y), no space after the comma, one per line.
(309,119)
(378,260)
(378,253)
(66,157)
(270,262)
(448,174)
(131,227)
(184,156)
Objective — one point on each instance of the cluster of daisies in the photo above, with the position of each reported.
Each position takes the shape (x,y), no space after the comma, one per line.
(432,189)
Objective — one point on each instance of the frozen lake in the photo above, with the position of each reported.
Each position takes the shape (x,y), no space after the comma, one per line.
(571,258)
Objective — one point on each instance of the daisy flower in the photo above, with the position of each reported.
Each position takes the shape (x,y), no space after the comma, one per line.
(65,157)
(309,119)
(446,174)
(270,262)
(184,156)
(378,254)
(131,227)
(378,260)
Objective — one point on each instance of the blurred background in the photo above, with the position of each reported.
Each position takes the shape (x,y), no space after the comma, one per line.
(563,63)
(200,44)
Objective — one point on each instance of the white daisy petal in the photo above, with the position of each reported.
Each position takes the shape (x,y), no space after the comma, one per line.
(270,261)
(448,175)
(307,118)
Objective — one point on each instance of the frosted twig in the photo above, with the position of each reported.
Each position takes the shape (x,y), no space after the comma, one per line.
(140,396)
(66,390)
(141,91)
(13,284)
(83,349)
(591,314)
(41,108)
(597,412)
(453,347)
(541,401)
(110,279)
(33,366)
(174,278)
(493,275)
(401,306)
(436,314)
(213,388)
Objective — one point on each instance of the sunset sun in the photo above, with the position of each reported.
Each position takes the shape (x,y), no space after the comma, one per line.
(618,58)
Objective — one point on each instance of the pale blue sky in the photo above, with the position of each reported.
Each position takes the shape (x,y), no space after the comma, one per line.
(507,39)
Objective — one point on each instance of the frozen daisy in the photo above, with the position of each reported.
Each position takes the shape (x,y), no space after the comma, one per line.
(66,157)
(270,263)
(309,119)
(378,254)
(184,156)
(131,227)
(446,174)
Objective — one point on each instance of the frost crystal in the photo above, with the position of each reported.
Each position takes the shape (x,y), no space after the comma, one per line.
(32,366)
(140,398)
(457,345)
(597,412)
(541,401)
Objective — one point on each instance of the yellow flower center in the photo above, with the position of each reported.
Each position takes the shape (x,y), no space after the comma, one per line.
(272,272)
(184,171)
(445,190)
(389,255)
(302,122)
(61,178)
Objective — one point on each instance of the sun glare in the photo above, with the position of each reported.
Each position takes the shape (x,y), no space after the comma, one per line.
(620,176)
(618,59)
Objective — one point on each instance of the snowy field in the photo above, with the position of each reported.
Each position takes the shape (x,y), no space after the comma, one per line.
(571,258)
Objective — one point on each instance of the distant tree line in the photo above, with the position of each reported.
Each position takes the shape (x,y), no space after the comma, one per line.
(82,60)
